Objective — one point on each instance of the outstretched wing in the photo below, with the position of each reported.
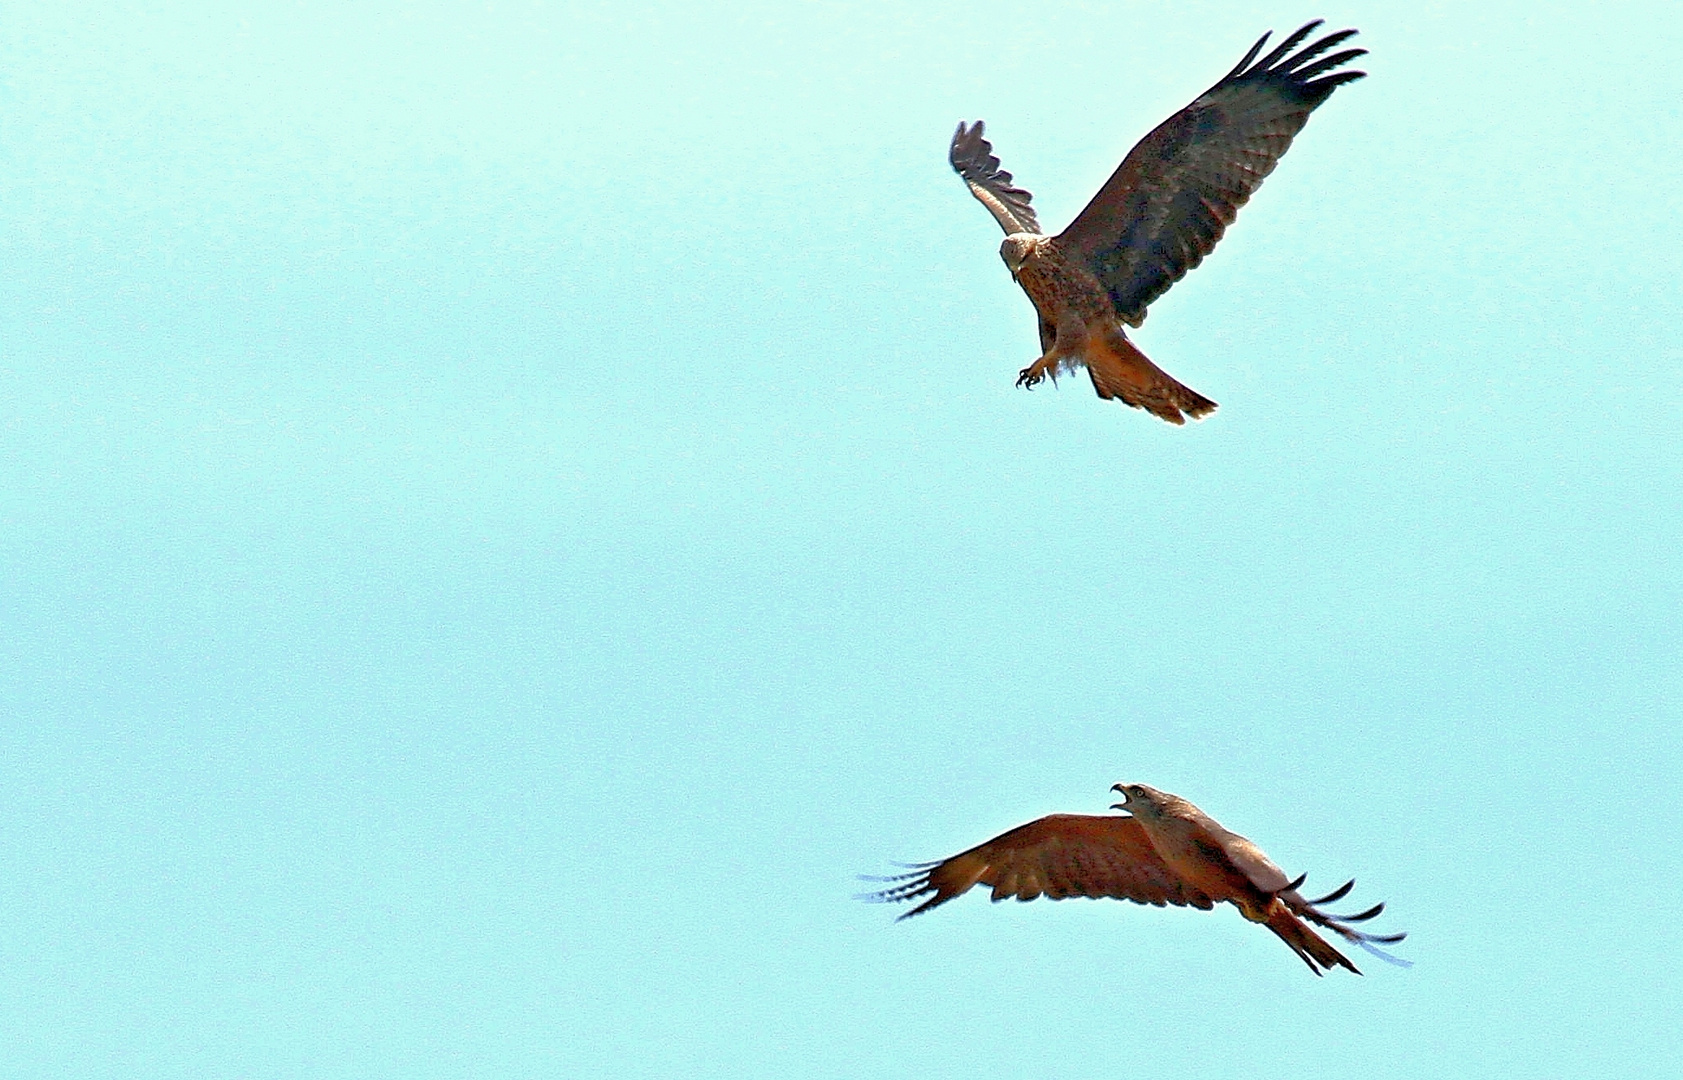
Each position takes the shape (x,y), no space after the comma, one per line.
(1177,191)
(972,158)
(1057,856)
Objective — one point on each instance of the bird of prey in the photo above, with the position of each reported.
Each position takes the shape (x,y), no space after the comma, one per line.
(1156,218)
(1167,852)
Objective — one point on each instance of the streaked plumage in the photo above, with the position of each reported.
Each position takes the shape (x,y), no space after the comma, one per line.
(1156,218)
(1167,852)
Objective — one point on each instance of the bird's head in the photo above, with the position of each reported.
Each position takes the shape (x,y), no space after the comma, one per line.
(1138,799)
(1016,248)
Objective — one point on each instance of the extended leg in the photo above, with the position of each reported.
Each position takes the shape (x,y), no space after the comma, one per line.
(1060,347)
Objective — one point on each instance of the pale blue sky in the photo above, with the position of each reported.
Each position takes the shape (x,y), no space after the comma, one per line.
(506,508)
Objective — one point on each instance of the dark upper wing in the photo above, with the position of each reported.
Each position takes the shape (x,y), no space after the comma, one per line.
(1058,856)
(972,158)
(1177,191)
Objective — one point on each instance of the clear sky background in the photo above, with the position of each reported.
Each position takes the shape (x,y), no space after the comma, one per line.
(507,508)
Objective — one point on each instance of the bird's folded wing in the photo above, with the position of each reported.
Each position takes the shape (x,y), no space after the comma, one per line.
(1058,856)
(1177,191)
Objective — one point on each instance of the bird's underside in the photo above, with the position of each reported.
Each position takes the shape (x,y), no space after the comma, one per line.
(1079,329)
(1158,215)
(1167,852)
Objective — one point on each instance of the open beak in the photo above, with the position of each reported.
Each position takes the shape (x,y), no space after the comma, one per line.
(1123,805)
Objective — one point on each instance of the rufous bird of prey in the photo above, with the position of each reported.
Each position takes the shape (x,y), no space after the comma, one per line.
(1156,218)
(1167,852)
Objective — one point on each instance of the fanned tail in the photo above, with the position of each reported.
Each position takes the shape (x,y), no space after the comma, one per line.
(1120,371)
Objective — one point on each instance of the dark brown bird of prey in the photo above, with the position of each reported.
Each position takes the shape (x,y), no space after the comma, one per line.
(1167,852)
(1156,218)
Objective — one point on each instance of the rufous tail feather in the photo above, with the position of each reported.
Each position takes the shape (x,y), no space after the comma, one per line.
(1305,942)
(1120,370)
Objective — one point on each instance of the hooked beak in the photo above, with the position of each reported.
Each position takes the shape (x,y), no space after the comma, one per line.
(1123,805)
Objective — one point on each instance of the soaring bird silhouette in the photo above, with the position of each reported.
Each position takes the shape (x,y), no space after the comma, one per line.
(1156,218)
(1167,852)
